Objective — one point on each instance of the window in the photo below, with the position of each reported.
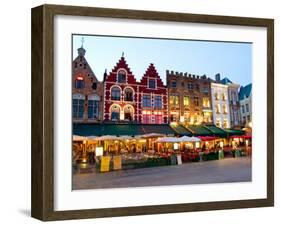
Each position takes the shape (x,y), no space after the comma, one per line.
(243,109)
(128,94)
(225,124)
(248,118)
(174,117)
(244,119)
(128,113)
(75,65)
(197,86)
(247,107)
(146,117)
(196,101)
(224,108)
(223,96)
(115,113)
(217,108)
(174,84)
(94,85)
(79,82)
(218,123)
(206,102)
(93,109)
(115,93)
(78,107)
(205,90)
(152,83)
(216,96)
(190,86)
(157,101)
(158,119)
(186,101)
(85,66)
(121,76)
(146,101)
(174,101)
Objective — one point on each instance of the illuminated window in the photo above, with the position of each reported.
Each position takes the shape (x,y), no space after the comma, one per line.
(216,96)
(174,101)
(223,96)
(146,101)
(225,124)
(128,113)
(186,101)
(121,76)
(218,123)
(115,93)
(206,102)
(158,118)
(146,117)
(79,83)
(115,113)
(217,108)
(224,109)
(196,101)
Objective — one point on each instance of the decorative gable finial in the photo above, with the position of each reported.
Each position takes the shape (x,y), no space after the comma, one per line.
(122,54)
(82,42)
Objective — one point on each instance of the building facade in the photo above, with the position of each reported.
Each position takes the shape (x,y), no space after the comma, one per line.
(234,105)
(125,99)
(121,102)
(189,98)
(87,91)
(153,98)
(245,100)
(220,103)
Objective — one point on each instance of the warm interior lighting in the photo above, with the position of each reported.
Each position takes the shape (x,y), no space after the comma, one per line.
(80,78)
(99,151)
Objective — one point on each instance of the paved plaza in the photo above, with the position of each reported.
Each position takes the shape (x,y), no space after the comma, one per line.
(218,171)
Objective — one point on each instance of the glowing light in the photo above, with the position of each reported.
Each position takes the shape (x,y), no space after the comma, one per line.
(197,144)
(80,78)
(250,124)
(84,141)
(99,151)
(173,123)
(176,146)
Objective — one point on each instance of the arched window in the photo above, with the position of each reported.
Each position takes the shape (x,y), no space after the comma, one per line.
(128,113)
(93,106)
(115,113)
(128,94)
(115,93)
(79,82)
(78,102)
(121,76)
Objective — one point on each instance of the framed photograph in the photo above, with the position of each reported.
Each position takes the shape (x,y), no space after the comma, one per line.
(142,112)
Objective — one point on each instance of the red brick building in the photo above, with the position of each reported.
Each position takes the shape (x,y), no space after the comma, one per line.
(125,99)
(121,94)
(87,91)
(153,96)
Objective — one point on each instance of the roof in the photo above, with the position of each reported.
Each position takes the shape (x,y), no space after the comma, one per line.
(245,91)
(226,81)
(181,130)
(99,129)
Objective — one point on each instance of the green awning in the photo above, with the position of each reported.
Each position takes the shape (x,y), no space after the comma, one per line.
(100,129)
(158,128)
(181,130)
(200,130)
(232,132)
(217,131)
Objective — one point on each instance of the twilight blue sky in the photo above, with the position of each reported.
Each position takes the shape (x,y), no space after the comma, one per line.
(232,60)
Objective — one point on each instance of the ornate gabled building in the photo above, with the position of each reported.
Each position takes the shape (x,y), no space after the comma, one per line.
(121,94)
(189,98)
(153,98)
(87,91)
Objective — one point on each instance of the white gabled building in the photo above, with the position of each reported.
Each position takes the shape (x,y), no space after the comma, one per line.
(220,105)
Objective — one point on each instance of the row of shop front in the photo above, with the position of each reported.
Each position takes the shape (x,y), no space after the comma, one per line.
(136,145)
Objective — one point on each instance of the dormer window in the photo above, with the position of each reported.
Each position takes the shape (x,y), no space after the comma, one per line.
(121,76)
(152,84)
(79,82)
